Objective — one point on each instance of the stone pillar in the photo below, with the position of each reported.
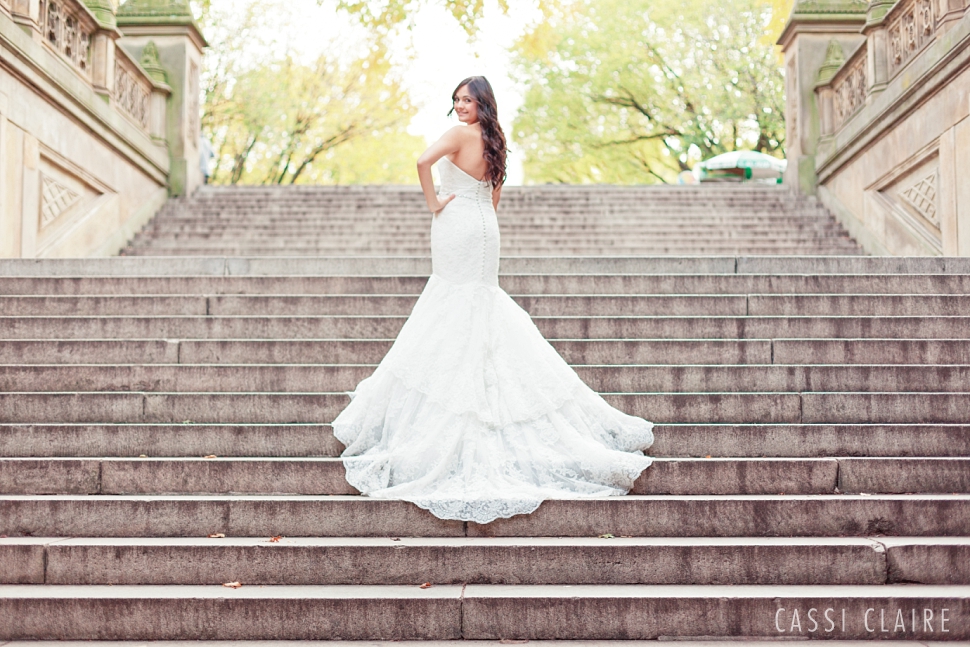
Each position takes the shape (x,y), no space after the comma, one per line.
(161,92)
(9,175)
(948,13)
(26,13)
(954,190)
(877,63)
(812,26)
(103,62)
(103,46)
(834,58)
(170,27)
(30,193)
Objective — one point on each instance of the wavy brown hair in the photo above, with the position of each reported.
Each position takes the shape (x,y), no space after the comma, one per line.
(492,135)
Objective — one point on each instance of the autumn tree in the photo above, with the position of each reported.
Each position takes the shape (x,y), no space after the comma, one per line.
(275,117)
(636,91)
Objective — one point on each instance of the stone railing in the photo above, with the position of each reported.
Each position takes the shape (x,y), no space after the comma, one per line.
(132,90)
(67,27)
(849,88)
(93,135)
(884,144)
(911,26)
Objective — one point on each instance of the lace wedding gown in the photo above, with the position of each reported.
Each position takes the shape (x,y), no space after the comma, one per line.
(472,414)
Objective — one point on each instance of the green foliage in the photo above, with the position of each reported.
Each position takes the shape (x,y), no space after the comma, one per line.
(276,119)
(631,91)
(386,14)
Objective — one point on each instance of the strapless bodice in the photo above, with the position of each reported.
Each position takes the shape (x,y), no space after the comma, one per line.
(454,180)
(464,235)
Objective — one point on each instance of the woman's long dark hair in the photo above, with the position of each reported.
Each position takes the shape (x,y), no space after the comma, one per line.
(492,135)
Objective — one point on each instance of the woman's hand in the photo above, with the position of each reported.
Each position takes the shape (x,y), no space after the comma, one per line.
(449,143)
(440,204)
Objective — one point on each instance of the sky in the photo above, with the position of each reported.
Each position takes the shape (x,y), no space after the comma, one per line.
(433,56)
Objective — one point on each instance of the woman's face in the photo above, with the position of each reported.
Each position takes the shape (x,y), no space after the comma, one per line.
(465,106)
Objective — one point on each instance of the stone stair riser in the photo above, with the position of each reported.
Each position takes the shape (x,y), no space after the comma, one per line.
(353,516)
(525,284)
(602,378)
(326,476)
(453,561)
(292,440)
(944,330)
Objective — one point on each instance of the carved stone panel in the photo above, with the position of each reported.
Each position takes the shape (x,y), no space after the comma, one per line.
(67,30)
(909,196)
(850,86)
(921,196)
(55,199)
(912,26)
(132,90)
(66,192)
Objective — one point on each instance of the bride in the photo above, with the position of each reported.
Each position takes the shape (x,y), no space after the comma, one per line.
(472,414)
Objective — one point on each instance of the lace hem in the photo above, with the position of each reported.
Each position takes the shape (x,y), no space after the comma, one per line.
(401,445)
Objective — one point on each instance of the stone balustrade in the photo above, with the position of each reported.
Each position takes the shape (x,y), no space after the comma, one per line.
(67,27)
(882,135)
(95,122)
(911,27)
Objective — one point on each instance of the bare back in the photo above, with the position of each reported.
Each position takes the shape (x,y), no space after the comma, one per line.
(470,156)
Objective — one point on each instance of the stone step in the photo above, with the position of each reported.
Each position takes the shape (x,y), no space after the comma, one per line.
(954,352)
(537,305)
(731,249)
(511,227)
(421,265)
(483,612)
(929,328)
(305,440)
(351,238)
(459,560)
(347,351)
(326,476)
(815,515)
(735,408)
(601,378)
(526,284)
(375,304)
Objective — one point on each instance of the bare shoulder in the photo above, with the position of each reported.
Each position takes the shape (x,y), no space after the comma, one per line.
(455,133)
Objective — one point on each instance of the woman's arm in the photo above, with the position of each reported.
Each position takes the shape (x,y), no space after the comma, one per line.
(449,143)
(496,196)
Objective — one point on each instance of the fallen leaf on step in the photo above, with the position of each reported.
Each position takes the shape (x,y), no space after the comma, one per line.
(217,535)
(426,585)
(606,536)
(275,539)
(210,456)
(395,539)
(510,641)
(142,455)
(232,585)
(708,456)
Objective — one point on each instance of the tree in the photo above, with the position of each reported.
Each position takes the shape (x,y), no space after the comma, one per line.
(388,14)
(637,91)
(275,118)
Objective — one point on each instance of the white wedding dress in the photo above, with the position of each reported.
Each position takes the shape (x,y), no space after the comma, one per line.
(472,414)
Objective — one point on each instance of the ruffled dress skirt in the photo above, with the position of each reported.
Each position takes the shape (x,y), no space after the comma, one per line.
(472,414)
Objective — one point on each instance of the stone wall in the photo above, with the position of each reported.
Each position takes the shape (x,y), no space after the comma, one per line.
(879,120)
(86,156)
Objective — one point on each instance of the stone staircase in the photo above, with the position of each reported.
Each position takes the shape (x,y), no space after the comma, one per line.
(812,476)
(549,220)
